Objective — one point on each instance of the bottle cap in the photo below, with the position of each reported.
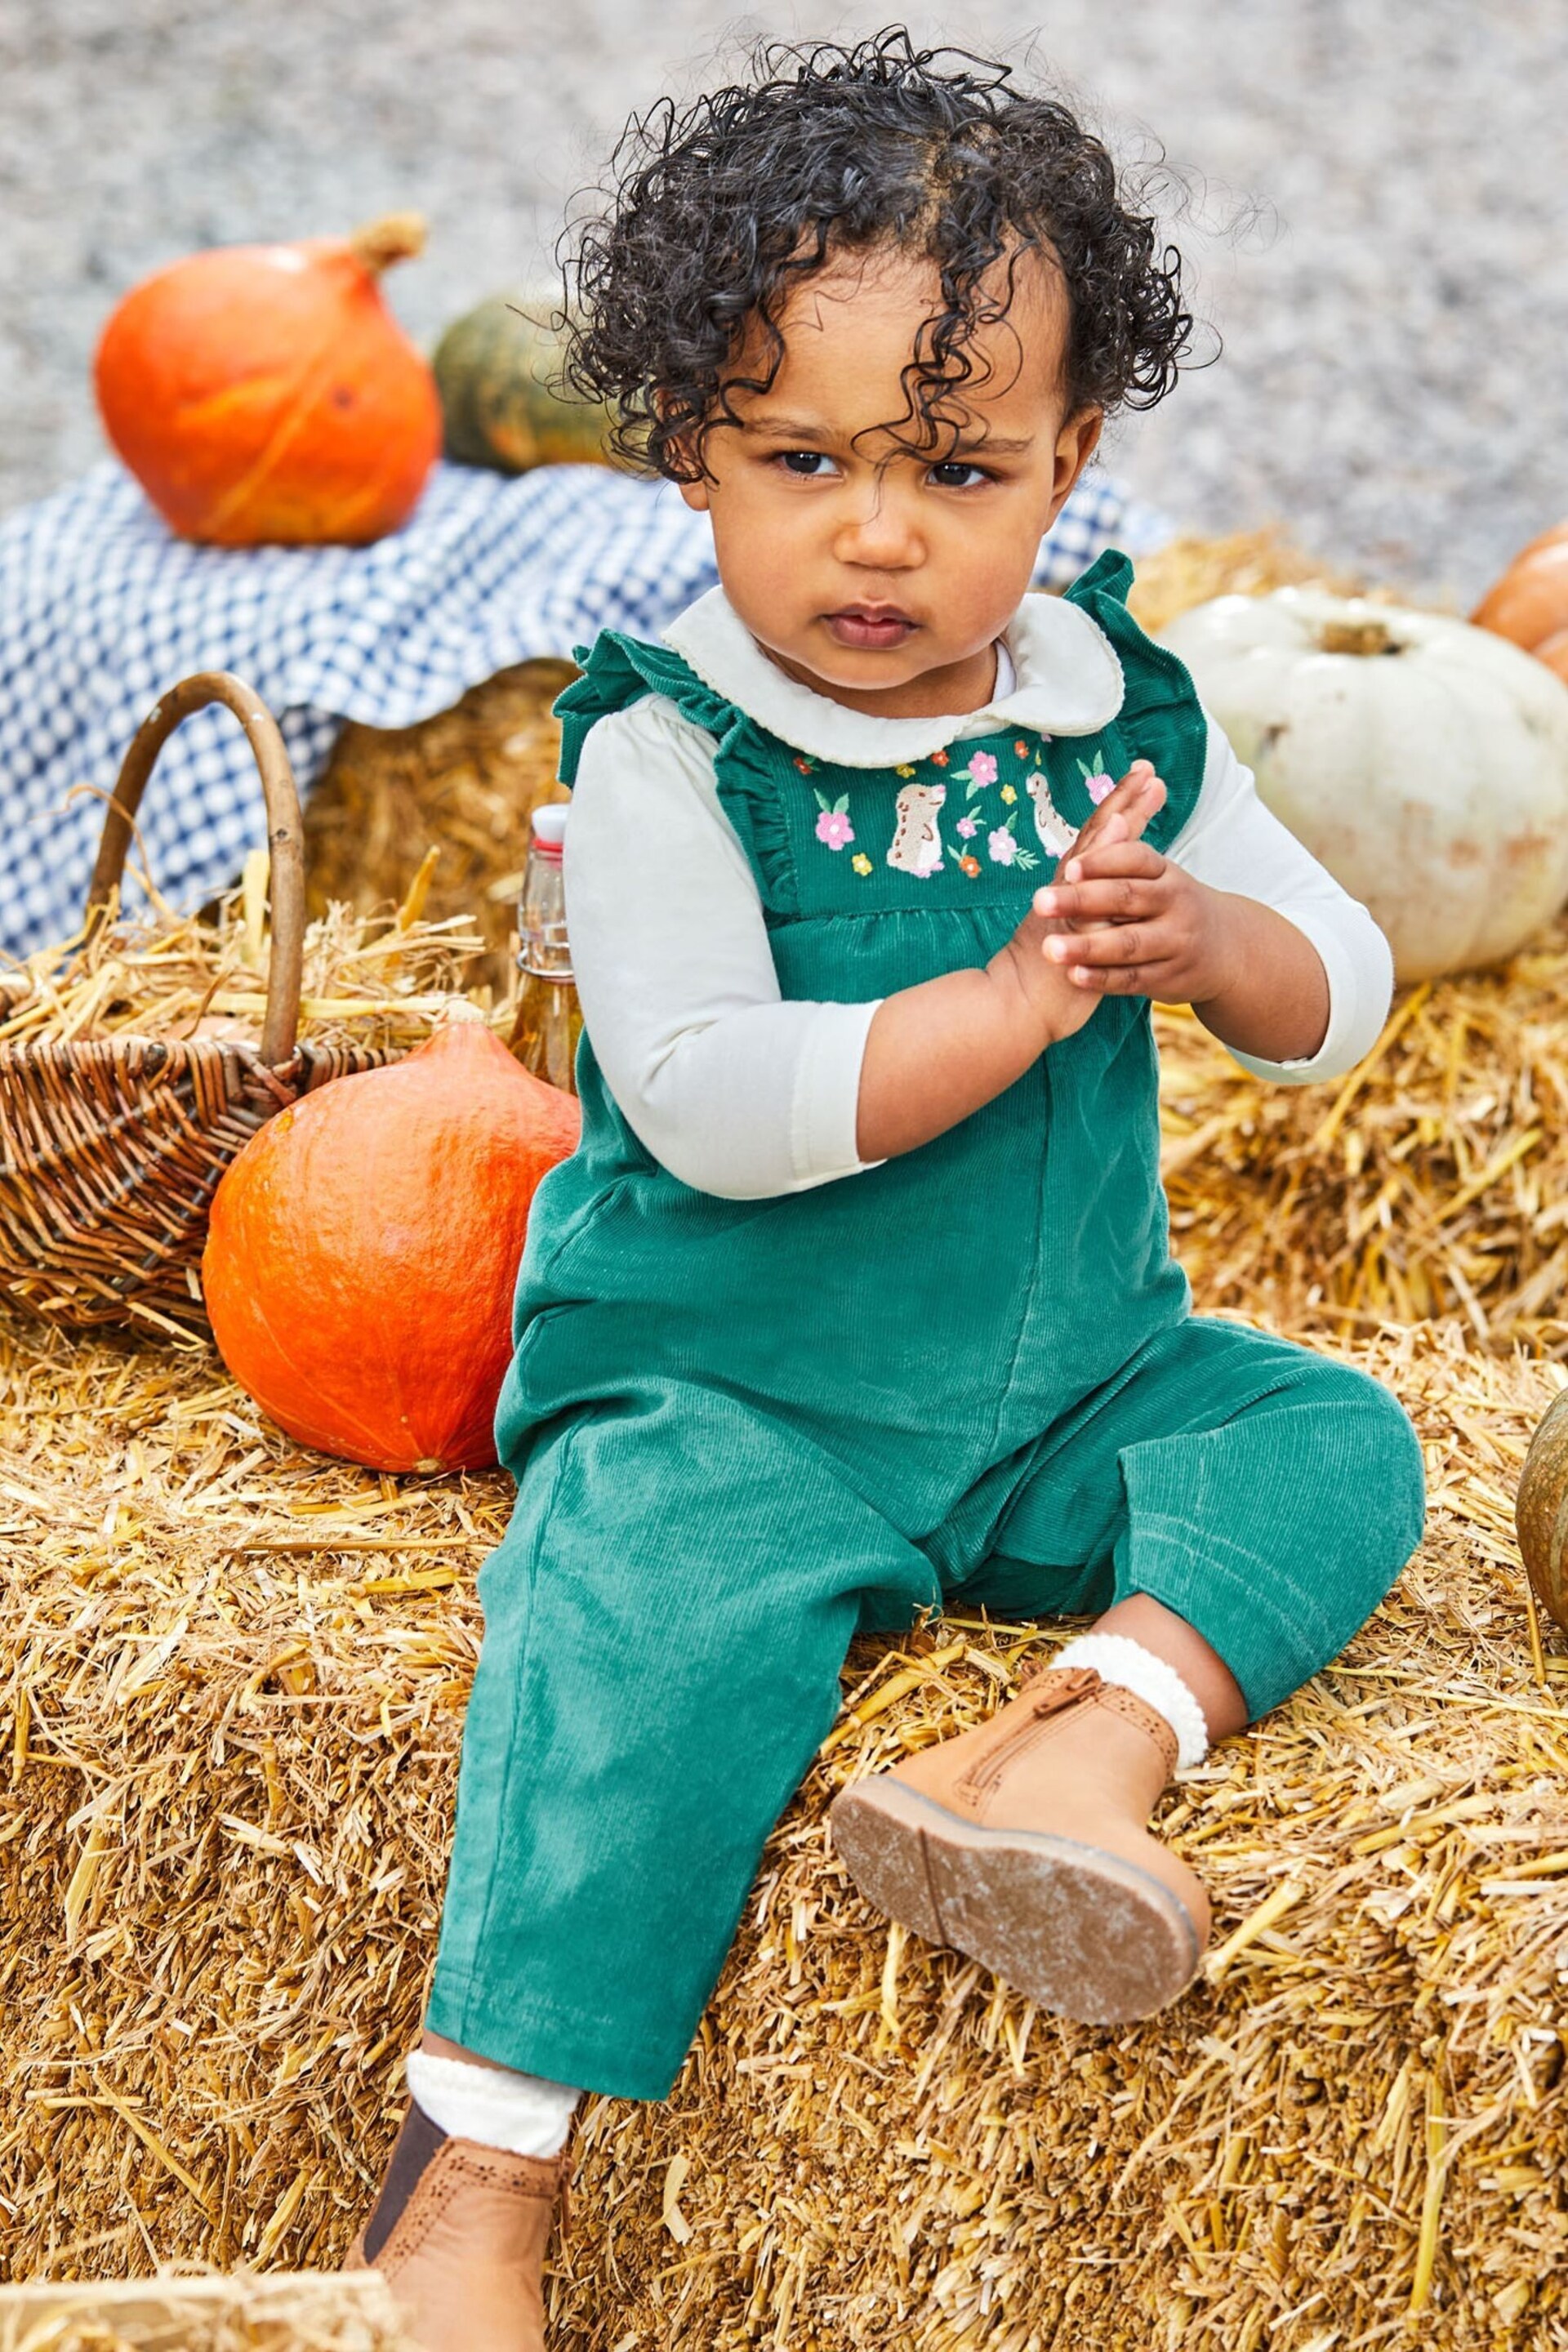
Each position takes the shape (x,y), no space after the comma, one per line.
(550,828)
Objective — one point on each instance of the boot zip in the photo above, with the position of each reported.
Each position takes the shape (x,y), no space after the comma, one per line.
(982,1776)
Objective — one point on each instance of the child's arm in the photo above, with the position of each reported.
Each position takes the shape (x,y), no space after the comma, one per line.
(1241,922)
(737,1091)
(1250,976)
(937,1052)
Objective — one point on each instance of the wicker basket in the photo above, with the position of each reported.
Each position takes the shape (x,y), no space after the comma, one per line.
(111,1150)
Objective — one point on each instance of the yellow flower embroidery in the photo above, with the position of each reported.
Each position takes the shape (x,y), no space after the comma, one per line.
(903,772)
(860,862)
(1009,794)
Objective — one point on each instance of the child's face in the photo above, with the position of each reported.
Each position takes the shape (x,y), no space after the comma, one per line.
(881,578)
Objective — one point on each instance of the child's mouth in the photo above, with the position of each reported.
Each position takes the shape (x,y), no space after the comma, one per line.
(870,627)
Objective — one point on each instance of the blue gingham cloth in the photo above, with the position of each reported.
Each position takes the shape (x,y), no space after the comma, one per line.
(101,609)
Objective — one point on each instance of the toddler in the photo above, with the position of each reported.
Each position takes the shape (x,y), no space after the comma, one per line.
(856,1299)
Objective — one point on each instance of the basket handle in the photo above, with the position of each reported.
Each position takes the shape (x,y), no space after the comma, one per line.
(285,834)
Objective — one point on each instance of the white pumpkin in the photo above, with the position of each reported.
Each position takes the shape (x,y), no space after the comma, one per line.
(1423,761)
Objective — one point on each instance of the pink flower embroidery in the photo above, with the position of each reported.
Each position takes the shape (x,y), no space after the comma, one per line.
(982,768)
(1098,787)
(1002,846)
(835,828)
(967,827)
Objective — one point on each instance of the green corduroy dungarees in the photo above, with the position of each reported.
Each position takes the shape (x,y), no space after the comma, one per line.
(743,1429)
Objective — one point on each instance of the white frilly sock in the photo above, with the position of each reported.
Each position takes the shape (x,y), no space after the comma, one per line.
(1117,1659)
(523,2113)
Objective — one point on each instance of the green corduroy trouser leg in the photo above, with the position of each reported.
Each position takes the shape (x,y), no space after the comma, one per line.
(668,1615)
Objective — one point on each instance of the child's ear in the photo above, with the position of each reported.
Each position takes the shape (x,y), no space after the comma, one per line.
(1075,445)
(695,493)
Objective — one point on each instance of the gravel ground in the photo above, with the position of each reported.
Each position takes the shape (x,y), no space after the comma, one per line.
(1377,207)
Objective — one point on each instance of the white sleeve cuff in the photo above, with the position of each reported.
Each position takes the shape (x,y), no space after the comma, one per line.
(826,1118)
(1233,844)
(1361,984)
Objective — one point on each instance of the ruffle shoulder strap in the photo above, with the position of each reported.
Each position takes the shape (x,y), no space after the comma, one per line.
(1161,714)
(618,671)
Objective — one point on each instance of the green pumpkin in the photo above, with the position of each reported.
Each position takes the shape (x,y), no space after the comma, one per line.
(498,372)
(1541,1512)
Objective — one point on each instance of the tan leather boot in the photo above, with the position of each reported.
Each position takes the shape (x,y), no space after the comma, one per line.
(459,2233)
(1023,1844)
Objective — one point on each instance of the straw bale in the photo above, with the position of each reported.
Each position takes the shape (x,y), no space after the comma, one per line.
(1190,570)
(467,780)
(287,2312)
(234,1676)
(1433,1183)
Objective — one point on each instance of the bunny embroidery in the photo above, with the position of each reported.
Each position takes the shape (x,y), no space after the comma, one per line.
(917,839)
(1057,835)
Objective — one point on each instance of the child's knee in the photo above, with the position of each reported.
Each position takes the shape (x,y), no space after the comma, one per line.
(1372,1462)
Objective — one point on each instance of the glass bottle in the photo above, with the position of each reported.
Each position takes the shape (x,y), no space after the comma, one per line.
(544,1034)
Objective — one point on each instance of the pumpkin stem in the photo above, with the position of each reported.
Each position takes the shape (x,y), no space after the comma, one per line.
(1358,637)
(397,236)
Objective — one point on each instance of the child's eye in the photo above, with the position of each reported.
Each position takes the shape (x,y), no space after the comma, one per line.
(956,474)
(809,463)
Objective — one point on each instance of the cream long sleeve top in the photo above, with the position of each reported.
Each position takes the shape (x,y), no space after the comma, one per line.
(740,1092)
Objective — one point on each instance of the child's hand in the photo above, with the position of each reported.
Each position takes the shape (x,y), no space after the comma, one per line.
(1125,921)
(1040,962)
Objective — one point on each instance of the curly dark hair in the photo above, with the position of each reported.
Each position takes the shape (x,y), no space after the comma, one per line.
(714,215)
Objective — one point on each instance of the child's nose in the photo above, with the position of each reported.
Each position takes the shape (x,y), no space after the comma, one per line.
(882,533)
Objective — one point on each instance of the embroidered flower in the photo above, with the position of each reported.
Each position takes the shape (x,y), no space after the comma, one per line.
(802,764)
(833,827)
(980,773)
(1009,792)
(1003,848)
(1096,783)
(904,770)
(970,866)
(967,827)
(939,759)
(860,862)
(1022,749)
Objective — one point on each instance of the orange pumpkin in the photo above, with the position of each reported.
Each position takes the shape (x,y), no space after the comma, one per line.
(1530,602)
(364,1245)
(265,393)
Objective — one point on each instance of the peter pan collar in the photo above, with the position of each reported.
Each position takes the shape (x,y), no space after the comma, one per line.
(1068,682)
